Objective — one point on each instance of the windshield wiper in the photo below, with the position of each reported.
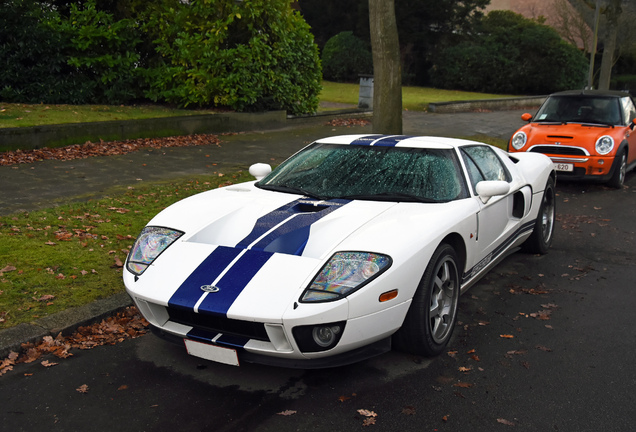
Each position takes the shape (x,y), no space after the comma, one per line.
(291,189)
(391,196)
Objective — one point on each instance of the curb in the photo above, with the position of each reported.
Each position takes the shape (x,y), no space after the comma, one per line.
(66,321)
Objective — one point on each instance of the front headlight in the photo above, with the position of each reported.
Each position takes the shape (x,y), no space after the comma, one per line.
(604,144)
(345,273)
(149,245)
(519,140)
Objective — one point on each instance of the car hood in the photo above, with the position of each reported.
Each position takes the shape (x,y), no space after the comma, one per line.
(578,134)
(248,253)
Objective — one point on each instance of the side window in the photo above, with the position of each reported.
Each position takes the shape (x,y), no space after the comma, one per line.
(483,164)
(629,111)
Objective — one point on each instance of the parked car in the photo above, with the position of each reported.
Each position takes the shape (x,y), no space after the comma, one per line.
(353,245)
(588,134)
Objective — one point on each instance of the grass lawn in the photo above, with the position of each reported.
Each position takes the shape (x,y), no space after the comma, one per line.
(54,259)
(21,115)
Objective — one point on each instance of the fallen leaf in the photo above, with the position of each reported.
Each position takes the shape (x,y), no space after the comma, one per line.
(343,398)
(47,363)
(506,336)
(368,421)
(463,385)
(367,413)
(506,422)
(123,387)
(82,389)
(542,348)
(286,413)
(408,410)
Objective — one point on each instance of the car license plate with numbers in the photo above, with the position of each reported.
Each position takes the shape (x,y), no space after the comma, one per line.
(212,352)
(564,167)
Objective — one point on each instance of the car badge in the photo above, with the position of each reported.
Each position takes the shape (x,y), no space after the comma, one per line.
(557,143)
(210,288)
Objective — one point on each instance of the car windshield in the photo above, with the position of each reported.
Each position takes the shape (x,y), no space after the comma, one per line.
(580,109)
(329,171)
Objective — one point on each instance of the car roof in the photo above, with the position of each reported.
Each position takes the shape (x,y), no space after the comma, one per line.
(601,93)
(398,141)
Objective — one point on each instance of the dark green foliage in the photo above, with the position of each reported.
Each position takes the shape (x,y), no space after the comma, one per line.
(103,51)
(345,57)
(34,68)
(424,27)
(247,56)
(252,55)
(511,54)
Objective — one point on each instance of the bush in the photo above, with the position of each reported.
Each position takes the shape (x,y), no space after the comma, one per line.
(513,55)
(345,57)
(255,55)
(34,67)
(103,51)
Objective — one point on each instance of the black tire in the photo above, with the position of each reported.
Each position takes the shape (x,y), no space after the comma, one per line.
(541,238)
(620,170)
(430,321)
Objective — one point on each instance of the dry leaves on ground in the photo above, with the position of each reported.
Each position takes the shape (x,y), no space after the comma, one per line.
(89,149)
(127,324)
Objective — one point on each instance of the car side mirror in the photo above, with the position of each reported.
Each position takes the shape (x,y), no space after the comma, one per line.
(491,188)
(260,170)
(526,116)
(633,125)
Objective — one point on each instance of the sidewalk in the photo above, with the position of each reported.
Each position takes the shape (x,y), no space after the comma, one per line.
(49,183)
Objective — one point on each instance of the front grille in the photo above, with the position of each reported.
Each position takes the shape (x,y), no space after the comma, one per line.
(220,324)
(559,150)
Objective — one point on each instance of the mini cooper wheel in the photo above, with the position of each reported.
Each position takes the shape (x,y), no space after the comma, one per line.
(430,321)
(618,177)
(541,237)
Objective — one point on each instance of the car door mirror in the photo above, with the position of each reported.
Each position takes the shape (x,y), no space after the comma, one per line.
(260,170)
(489,189)
(633,125)
(526,116)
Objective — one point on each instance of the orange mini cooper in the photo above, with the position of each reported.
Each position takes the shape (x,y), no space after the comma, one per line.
(588,134)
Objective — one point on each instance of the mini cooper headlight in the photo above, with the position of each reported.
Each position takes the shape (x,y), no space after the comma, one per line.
(604,144)
(345,273)
(519,140)
(149,245)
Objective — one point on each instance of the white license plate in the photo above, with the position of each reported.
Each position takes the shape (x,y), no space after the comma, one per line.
(564,167)
(212,352)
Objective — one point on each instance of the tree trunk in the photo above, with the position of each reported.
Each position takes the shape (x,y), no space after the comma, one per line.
(387,71)
(612,14)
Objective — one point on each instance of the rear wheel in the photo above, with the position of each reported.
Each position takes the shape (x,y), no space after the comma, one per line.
(430,321)
(618,177)
(541,237)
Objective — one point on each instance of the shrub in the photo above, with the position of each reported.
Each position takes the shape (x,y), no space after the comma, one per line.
(345,57)
(514,55)
(34,67)
(253,55)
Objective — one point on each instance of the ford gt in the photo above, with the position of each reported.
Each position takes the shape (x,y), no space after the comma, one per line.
(355,245)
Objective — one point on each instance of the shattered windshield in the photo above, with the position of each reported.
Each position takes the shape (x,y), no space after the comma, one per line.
(329,171)
(580,109)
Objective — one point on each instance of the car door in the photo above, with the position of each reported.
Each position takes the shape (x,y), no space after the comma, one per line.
(497,220)
(629,113)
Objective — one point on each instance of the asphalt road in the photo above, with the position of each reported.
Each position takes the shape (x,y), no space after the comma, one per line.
(567,366)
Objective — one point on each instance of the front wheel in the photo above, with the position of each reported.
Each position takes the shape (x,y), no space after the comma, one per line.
(430,321)
(541,237)
(620,171)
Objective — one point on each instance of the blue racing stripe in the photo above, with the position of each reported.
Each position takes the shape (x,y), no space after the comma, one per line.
(366,140)
(234,281)
(390,141)
(270,220)
(189,293)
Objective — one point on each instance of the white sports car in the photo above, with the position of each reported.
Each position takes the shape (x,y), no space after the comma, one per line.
(353,245)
